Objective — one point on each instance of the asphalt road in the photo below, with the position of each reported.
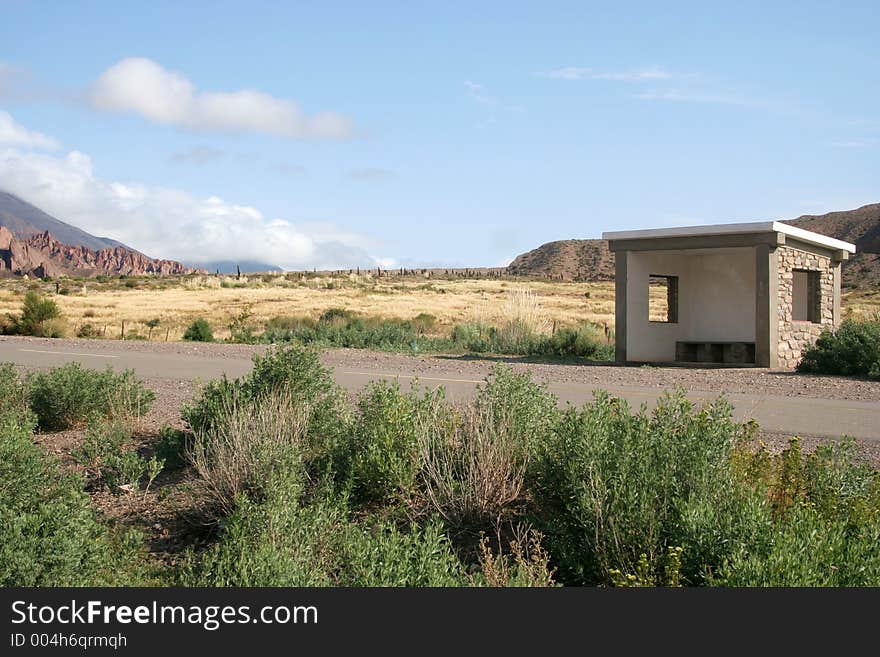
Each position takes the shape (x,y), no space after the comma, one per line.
(776,414)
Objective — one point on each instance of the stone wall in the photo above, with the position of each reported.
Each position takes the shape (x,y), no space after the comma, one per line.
(795,336)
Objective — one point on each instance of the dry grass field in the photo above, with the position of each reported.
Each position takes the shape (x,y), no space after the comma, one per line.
(177,301)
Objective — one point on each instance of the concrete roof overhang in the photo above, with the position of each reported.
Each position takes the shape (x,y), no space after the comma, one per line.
(771,233)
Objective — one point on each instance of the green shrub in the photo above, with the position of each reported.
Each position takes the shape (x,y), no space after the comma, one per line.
(610,486)
(105,459)
(14,396)
(383,555)
(294,372)
(476,337)
(852,349)
(69,395)
(336,316)
(40,317)
(240,329)
(825,519)
(424,323)
(339,328)
(199,331)
(515,338)
(280,542)
(582,341)
(808,549)
(172,447)
(246,446)
(87,331)
(49,535)
(385,442)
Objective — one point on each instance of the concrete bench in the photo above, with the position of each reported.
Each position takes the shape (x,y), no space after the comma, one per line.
(715,351)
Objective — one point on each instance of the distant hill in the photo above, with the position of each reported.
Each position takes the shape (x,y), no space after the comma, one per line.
(570,260)
(590,260)
(24,220)
(33,243)
(861,227)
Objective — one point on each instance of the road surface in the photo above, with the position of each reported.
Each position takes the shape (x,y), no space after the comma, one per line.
(776,414)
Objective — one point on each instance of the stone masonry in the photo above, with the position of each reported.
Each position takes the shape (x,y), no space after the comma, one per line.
(795,336)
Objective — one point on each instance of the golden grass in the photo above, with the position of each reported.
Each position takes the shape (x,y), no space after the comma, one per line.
(177,302)
(861,304)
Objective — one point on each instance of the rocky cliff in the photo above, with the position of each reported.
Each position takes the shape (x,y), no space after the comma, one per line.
(40,255)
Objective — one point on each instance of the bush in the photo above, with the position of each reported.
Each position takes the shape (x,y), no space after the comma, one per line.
(294,372)
(199,331)
(49,535)
(340,328)
(39,317)
(582,341)
(825,519)
(173,447)
(384,443)
(246,444)
(105,459)
(424,323)
(810,550)
(280,542)
(852,349)
(610,487)
(526,563)
(473,470)
(14,401)
(67,396)
(515,338)
(473,465)
(87,331)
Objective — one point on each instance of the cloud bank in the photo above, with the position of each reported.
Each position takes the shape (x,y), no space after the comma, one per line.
(12,132)
(171,223)
(142,86)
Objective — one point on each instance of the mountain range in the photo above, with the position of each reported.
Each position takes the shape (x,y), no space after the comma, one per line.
(590,260)
(34,243)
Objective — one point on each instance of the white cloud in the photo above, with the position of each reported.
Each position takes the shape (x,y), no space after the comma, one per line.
(171,223)
(142,86)
(12,132)
(579,73)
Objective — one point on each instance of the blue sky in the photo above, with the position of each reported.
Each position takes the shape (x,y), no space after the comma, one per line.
(456,133)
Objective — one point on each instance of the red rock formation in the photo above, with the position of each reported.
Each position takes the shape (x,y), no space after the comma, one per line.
(42,255)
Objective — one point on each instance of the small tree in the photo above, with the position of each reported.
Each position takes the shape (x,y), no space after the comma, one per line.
(36,317)
(151,324)
(199,331)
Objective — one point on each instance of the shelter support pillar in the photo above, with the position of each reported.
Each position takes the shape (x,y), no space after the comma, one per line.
(766,307)
(620,284)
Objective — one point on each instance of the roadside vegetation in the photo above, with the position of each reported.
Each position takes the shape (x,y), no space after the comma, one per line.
(39,317)
(291,483)
(852,349)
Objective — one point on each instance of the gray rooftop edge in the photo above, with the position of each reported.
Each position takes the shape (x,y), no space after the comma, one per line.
(733,229)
